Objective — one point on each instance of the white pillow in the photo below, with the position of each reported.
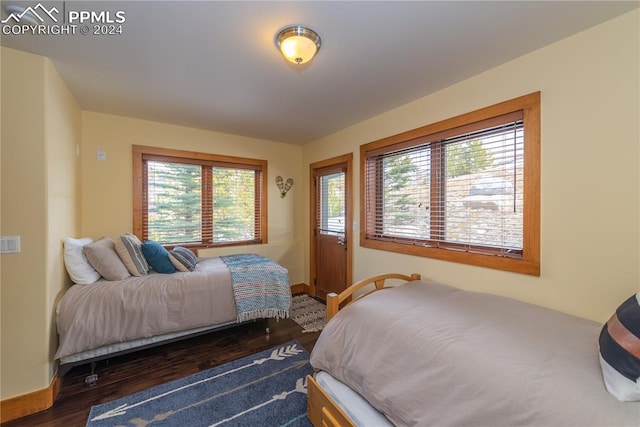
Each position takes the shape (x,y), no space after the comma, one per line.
(79,269)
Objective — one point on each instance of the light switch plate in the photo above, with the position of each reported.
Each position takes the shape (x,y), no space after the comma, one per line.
(10,244)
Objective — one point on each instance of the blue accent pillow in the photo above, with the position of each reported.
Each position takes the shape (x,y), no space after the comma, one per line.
(157,257)
(620,351)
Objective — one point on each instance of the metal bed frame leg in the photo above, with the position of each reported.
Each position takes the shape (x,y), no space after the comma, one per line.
(91,379)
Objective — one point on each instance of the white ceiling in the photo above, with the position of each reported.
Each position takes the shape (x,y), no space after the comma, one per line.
(213,64)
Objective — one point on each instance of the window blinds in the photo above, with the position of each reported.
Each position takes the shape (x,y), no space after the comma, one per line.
(192,201)
(174,202)
(459,190)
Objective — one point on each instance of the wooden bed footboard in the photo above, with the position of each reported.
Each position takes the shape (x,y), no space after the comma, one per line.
(322,411)
(334,300)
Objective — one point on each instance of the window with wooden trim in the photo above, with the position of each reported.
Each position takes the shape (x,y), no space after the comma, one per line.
(198,199)
(466,189)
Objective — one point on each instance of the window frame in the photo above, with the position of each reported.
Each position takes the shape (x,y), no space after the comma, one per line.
(529,263)
(142,153)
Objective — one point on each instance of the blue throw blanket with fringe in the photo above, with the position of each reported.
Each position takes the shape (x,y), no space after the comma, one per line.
(260,287)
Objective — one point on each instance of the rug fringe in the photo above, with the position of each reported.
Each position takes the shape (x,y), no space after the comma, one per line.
(263,314)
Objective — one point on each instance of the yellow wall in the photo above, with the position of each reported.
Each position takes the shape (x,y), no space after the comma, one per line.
(590,235)
(63,127)
(107,185)
(40,120)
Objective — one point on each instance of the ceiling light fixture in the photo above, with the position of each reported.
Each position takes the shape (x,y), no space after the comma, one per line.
(298,44)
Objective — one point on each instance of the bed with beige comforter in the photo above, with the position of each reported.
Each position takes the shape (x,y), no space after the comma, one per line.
(110,317)
(428,354)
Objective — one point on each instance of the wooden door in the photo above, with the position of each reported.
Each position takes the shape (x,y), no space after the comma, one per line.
(331,225)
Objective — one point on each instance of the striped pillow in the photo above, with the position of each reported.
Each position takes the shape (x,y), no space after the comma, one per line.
(620,351)
(129,249)
(183,259)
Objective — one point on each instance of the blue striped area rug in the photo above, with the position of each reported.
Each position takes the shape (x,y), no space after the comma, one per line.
(265,389)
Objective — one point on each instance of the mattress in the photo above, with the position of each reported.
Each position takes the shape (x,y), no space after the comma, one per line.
(354,405)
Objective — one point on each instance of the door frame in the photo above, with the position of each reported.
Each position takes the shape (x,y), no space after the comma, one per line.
(348,183)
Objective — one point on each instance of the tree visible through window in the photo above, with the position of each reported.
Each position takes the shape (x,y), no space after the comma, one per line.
(465,189)
(234,201)
(174,202)
(198,199)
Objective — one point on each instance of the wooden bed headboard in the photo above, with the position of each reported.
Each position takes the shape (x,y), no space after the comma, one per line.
(334,300)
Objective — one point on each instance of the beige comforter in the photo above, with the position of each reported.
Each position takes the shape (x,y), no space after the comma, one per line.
(104,313)
(427,354)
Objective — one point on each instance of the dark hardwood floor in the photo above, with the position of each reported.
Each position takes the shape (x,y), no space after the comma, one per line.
(134,372)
